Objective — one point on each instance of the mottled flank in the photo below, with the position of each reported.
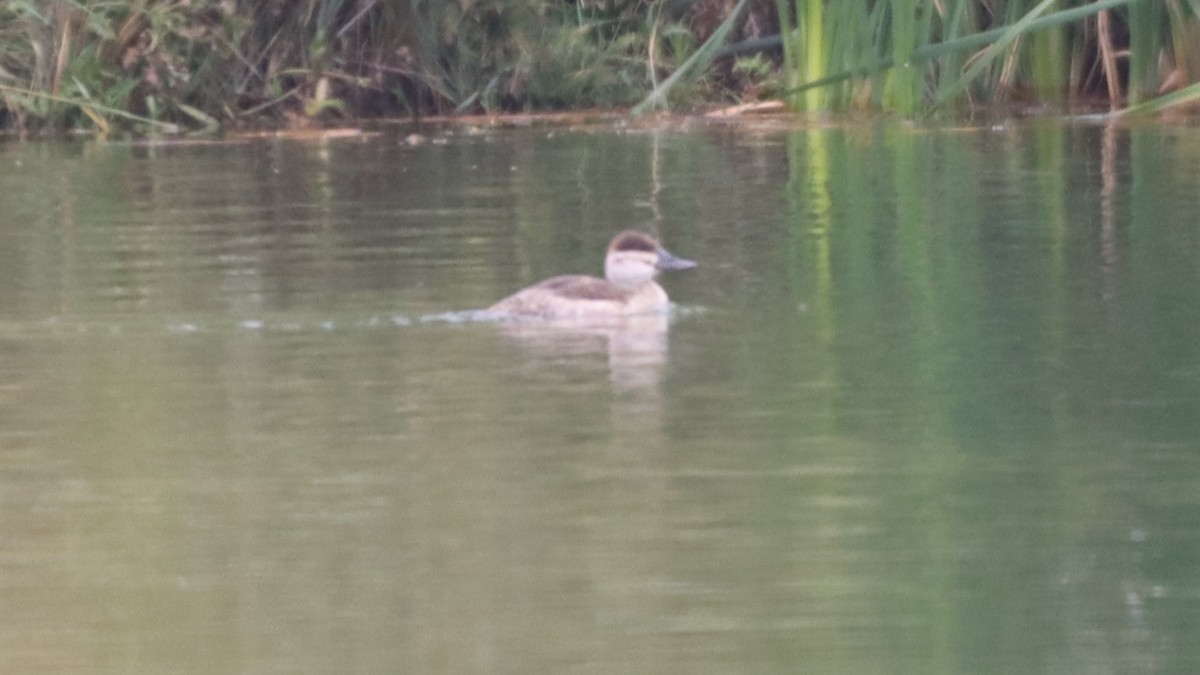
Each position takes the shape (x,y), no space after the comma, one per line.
(580,287)
(632,240)
(560,295)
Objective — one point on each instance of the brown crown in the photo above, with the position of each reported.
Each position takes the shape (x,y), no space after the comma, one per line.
(632,240)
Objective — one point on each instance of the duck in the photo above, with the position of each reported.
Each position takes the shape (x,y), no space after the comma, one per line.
(632,262)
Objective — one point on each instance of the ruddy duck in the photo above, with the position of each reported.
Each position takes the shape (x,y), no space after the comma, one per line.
(632,262)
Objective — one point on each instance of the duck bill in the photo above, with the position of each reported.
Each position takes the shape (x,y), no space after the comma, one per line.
(667,261)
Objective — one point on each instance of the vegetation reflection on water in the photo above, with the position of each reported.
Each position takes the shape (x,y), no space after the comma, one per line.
(929,404)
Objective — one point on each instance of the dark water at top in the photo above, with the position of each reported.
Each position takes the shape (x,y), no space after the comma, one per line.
(930,404)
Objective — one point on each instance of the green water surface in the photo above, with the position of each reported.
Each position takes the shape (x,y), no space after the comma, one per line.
(929,404)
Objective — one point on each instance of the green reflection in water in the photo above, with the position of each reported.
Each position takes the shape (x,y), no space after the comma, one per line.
(976,352)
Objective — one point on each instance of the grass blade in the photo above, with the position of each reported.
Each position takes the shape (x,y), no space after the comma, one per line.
(696,62)
(92,107)
(1188,94)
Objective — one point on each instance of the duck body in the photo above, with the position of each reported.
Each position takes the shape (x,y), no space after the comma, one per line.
(577,295)
(633,260)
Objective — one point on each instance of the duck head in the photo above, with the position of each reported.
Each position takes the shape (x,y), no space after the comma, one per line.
(635,258)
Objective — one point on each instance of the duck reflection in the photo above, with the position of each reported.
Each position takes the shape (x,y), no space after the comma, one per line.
(636,345)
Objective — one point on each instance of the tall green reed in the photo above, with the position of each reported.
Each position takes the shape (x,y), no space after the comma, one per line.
(920,55)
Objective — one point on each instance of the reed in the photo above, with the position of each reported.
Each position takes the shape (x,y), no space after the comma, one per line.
(969,53)
(1147,43)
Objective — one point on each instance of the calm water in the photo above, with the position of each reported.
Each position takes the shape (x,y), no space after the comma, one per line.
(930,404)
